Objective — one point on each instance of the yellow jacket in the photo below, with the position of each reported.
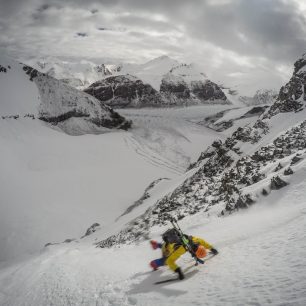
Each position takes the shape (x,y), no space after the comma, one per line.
(173,251)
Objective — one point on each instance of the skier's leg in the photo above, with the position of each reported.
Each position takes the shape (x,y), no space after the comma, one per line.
(155,264)
(170,261)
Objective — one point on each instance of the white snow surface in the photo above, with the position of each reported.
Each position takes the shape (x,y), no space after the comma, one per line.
(54,186)
(262,261)
(18,94)
(185,73)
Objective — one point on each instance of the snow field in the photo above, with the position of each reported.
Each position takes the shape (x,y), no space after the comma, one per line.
(262,261)
(54,186)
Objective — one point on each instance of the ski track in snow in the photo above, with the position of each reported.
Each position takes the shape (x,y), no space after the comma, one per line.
(152,157)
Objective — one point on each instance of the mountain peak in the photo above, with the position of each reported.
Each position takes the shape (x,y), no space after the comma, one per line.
(164,60)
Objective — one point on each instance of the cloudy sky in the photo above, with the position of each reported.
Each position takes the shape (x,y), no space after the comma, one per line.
(251,43)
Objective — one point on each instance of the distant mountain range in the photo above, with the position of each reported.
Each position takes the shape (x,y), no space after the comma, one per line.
(159,82)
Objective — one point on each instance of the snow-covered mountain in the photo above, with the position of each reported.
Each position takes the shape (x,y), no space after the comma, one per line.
(84,73)
(43,97)
(172,83)
(152,71)
(76,74)
(252,163)
(185,85)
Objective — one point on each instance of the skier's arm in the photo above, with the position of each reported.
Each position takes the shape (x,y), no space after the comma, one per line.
(205,244)
(201,241)
(156,245)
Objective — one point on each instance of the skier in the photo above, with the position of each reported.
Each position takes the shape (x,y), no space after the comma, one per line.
(173,248)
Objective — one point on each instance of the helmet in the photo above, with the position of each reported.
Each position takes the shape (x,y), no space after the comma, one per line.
(201,251)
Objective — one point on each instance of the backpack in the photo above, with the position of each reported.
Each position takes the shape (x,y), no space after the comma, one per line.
(172,236)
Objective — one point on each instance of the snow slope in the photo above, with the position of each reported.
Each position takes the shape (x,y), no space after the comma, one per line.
(62,182)
(262,261)
(18,95)
(259,155)
(54,186)
(152,71)
(174,132)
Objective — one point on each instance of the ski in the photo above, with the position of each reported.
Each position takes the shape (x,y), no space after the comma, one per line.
(185,241)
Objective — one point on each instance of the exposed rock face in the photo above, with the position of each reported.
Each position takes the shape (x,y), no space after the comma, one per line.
(264,96)
(91,229)
(3,69)
(218,181)
(277,183)
(288,171)
(292,96)
(207,91)
(124,91)
(216,123)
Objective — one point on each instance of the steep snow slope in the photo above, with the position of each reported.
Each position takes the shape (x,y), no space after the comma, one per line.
(229,120)
(260,155)
(18,95)
(262,261)
(53,186)
(27,92)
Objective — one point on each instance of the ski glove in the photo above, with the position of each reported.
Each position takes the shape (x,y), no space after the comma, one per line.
(154,244)
(214,251)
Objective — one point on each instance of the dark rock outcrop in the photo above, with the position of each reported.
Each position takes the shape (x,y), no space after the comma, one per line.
(124,91)
(277,183)
(91,229)
(3,69)
(288,171)
(292,96)
(194,93)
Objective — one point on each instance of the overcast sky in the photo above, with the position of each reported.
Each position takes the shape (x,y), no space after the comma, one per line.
(253,43)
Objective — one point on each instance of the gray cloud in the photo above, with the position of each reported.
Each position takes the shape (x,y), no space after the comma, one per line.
(228,37)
